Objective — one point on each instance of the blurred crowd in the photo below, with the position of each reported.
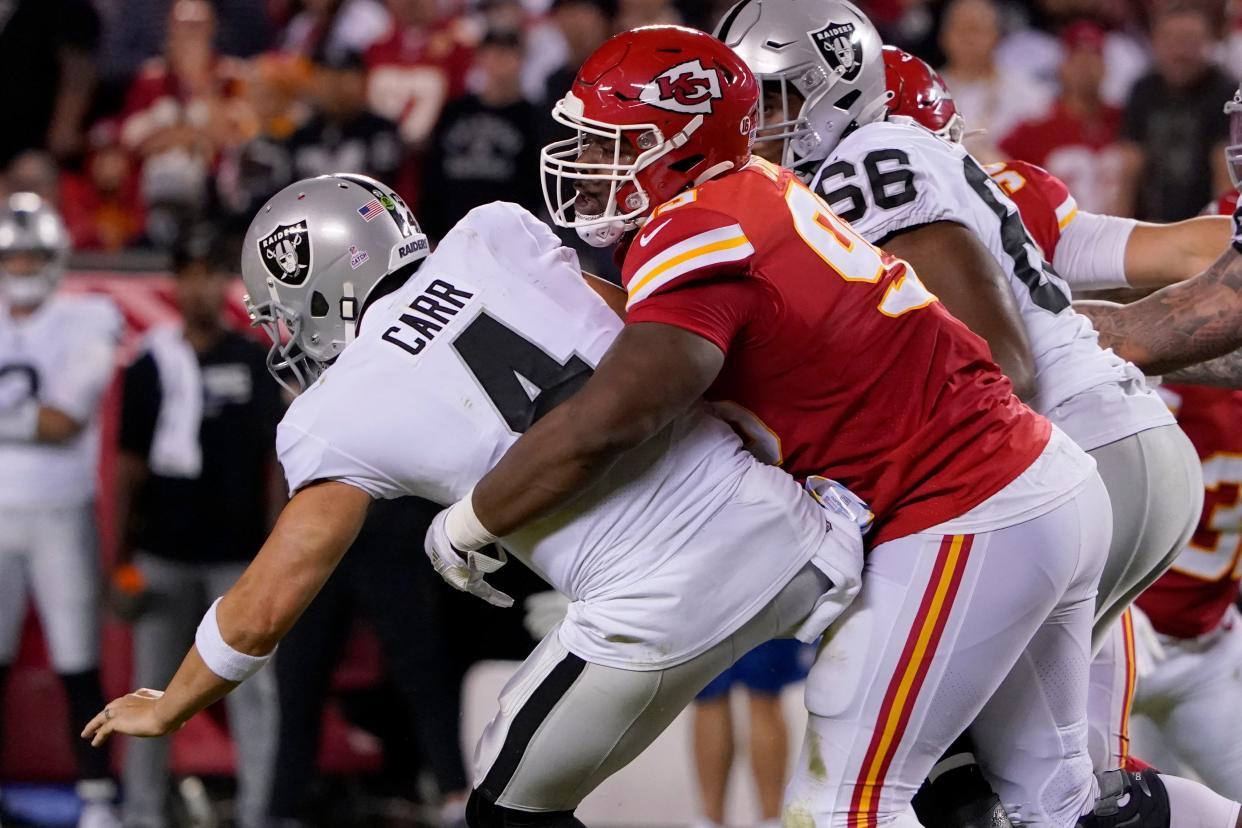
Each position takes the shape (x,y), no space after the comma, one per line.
(141,117)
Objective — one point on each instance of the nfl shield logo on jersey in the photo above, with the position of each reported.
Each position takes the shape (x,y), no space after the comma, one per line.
(687,87)
(839,46)
(286,253)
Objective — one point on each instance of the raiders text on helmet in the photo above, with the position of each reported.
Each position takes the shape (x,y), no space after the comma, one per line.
(677,99)
(310,259)
(29,225)
(825,53)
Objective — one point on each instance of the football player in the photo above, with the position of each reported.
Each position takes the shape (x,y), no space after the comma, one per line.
(1089,251)
(1094,251)
(929,202)
(833,359)
(1191,690)
(1196,321)
(57,356)
(437,365)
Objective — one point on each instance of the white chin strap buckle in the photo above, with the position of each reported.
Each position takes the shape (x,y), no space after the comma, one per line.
(602,235)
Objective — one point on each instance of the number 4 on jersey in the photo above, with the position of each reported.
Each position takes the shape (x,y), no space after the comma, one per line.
(522,380)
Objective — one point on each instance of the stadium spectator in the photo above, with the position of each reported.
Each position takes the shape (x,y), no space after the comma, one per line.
(584,25)
(34,171)
(341,134)
(1076,141)
(47,74)
(485,146)
(181,111)
(58,356)
(326,26)
(764,672)
(101,204)
(634,13)
(194,475)
(1174,129)
(990,96)
(418,66)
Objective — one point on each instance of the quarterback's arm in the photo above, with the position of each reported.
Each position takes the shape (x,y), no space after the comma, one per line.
(956,267)
(652,373)
(30,422)
(1223,372)
(313,532)
(1180,325)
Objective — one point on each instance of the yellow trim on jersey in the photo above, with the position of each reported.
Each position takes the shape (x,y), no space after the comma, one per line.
(671,257)
(1063,223)
(688,197)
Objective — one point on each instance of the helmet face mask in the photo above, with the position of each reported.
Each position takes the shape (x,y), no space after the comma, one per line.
(311,258)
(34,249)
(654,111)
(1233,152)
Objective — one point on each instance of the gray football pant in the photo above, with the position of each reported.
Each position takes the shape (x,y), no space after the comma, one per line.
(1155,485)
(179,595)
(565,724)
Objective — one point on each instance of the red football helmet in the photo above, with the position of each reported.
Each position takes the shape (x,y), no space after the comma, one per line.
(919,93)
(678,100)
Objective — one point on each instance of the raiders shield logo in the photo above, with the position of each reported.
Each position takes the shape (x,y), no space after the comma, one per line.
(838,43)
(687,87)
(286,253)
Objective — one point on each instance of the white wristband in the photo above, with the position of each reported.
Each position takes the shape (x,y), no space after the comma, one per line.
(220,658)
(463,528)
(20,424)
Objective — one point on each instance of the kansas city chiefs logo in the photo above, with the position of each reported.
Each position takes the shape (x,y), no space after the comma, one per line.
(687,87)
(286,253)
(841,48)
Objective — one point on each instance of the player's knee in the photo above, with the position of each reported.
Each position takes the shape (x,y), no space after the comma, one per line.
(1129,799)
(483,812)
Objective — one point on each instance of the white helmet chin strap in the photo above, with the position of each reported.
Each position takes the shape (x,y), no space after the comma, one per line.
(602,235)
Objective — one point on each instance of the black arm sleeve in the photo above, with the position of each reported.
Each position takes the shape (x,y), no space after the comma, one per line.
(140,406)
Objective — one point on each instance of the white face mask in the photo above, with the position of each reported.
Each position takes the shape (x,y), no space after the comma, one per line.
(25,291)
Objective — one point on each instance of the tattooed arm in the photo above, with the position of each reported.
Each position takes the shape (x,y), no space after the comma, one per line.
(1222,372)
(1180,325)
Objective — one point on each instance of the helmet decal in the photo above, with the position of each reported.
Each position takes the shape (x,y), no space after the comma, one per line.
(687,87)
(842,50)
(286,253)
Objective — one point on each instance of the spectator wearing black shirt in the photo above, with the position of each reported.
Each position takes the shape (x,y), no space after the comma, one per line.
(485,146)
(342,135)
(1174,128)
(194,471)
(47,74)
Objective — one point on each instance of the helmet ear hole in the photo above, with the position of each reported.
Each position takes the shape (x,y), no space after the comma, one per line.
(848,100)
(686,164)
(319,306)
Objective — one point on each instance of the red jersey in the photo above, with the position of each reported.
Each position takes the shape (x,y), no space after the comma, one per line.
(1043,201)
(1191,598)
(414,71)
(1083,153)
(838,362)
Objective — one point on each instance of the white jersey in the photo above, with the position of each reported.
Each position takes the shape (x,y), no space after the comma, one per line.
(887,177)
(495,328)
(63,355)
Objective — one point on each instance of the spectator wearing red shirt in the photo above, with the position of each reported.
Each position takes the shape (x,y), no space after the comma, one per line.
(419,66)
(1077,140)
(181,111)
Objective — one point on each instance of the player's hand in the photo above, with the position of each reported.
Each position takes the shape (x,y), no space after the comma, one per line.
(133,715)
(544,610)
(464,571)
